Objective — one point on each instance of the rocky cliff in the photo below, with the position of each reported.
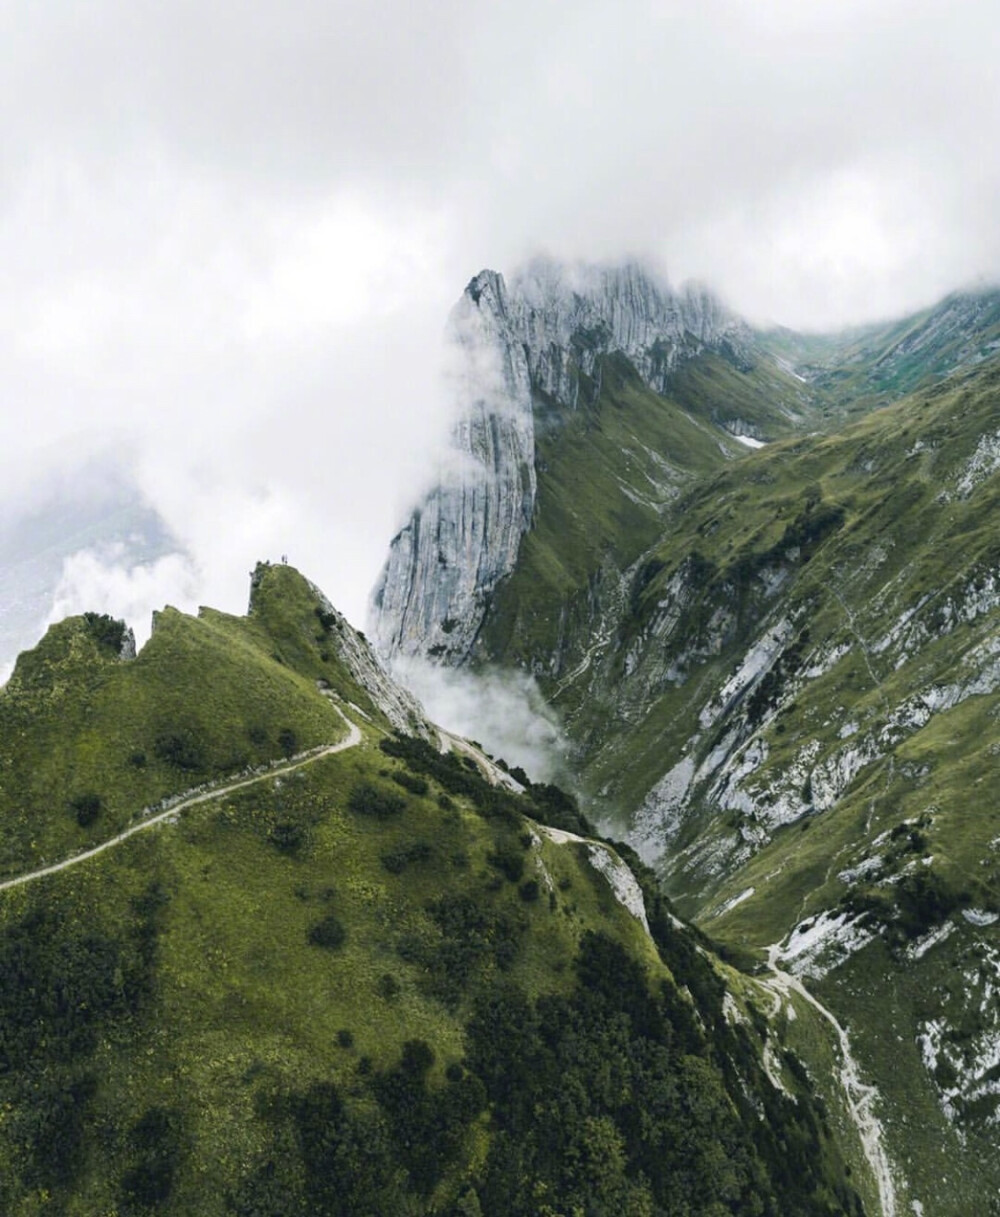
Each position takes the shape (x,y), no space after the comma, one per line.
(540,339)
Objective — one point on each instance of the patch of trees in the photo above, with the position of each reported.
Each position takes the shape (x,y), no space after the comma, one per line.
(155,1142)
(368,799)
(64,990)
(85,808)
(328,933)
(456,775)
(108,633)
(475,941)
(182,749)
(396,860)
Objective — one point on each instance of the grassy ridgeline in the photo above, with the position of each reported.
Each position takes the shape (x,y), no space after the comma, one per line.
(368,986)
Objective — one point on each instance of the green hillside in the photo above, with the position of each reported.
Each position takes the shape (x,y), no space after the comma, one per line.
(783,686)
(355,982)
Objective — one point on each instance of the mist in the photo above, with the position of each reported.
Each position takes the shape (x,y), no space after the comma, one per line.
(501,709)
(231,237)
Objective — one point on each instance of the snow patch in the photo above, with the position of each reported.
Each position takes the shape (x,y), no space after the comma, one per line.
(749,441)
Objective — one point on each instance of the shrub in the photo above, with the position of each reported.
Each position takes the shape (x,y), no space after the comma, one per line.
(387,986)
(180,749)
(328,933)
(288,741)
(413,784)
(108,633)
(287,837)
(367,799)
(86,807)
(507,859)
(396,860)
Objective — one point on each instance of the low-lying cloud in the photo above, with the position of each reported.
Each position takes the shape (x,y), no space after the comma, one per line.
(231,235)
(500,709)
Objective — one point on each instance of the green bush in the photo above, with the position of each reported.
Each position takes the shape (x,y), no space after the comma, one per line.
(367,799)
(180,749)
(86,808)
(328,933)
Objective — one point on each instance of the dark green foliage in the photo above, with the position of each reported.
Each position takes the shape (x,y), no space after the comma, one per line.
(367,799)
(555,807)
(86,808)
(396,860)
(603,1105)
(62,992)
(56,988)
(345,1038)
(53,1127)
(415,785)
(327,619)
(288,741)
(346,1156)
(924,899)
(427,1125)
(328,933)
(156,1144)
(475,939)
(138,759)
(289,838)
(529,891)
(182,749)
(388,987)
(108,633)
(458,776)
(508,859)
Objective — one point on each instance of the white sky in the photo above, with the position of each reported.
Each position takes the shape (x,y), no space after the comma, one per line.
(230,231)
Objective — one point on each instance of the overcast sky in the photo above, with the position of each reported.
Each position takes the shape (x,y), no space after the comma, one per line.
(230,232)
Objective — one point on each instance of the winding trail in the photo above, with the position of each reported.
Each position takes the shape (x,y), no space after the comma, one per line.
(859,1094)
(192,800)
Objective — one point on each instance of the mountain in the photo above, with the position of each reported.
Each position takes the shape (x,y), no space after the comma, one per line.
(553,353)
(264,949)
(779,673)
(877,364)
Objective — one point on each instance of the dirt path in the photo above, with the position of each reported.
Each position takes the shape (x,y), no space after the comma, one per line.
(186,801)
(859,1094)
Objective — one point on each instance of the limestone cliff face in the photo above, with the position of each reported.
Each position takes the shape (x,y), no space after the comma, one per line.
(538,336)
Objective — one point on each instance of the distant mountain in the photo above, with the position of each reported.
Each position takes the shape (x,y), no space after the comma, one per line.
(877,364)
(544,355)
(778,668)
(35,544)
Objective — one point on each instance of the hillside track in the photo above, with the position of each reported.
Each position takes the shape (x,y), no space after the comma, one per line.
(299,761)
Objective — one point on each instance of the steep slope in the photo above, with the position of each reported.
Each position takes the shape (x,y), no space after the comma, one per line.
(531,361)
(877,364)
(780,676)
(791,696)
(354,978)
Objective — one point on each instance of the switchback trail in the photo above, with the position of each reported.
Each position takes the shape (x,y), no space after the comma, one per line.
(204,796)
(859,1094)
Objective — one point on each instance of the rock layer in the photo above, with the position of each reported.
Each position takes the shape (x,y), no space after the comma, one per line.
(541,338)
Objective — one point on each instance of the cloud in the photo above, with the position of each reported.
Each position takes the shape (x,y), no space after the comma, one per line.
(98,580)
(231,233)
(501,709)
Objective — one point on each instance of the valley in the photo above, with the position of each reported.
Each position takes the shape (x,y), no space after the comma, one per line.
(777,666)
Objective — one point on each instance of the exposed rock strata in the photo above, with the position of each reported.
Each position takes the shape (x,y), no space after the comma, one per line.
(541,337)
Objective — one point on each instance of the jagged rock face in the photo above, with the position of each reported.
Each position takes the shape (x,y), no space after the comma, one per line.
(540,336)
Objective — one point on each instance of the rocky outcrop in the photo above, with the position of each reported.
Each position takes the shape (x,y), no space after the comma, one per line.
(541,337)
